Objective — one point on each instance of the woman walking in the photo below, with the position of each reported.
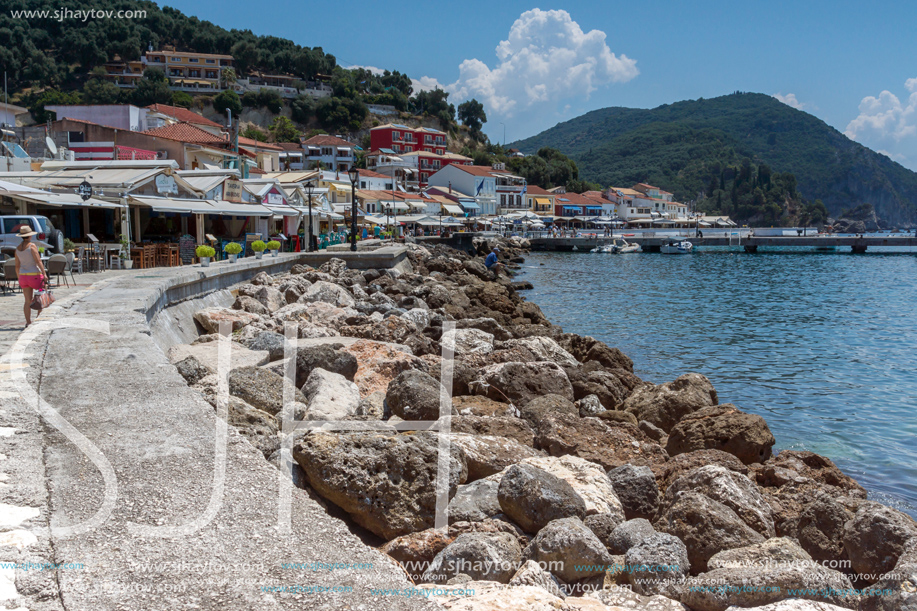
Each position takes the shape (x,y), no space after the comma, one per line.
(29,270)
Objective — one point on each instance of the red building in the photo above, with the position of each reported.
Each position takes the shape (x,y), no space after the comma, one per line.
(404,139)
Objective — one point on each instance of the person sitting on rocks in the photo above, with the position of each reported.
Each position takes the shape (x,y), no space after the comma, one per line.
(491,261)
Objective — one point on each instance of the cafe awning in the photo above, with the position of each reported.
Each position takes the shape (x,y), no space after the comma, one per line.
(232,209)
(174,205)
(470,206)
(66,199)
(453,209)
(542,200)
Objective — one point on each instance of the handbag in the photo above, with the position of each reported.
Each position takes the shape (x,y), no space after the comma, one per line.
(42,299)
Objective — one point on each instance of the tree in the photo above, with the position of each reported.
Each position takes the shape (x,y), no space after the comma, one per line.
(339,113)
(283,130)
(97,90)
(471,114)
(302,108)
(227,100)
(182,99)
(228,76)
(153,88)
(254,133)
(435,103)
(246,56)
(51,97)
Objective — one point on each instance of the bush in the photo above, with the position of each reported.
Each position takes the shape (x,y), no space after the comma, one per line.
(69,245)
(182,99)
(204,251)
(233,248)
(258,246)
(272,245)
(228,100)
(263,98)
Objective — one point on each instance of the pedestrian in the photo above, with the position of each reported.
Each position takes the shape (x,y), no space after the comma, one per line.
(491,261)
(29,269)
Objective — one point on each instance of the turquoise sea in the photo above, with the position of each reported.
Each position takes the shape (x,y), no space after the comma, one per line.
(822,345)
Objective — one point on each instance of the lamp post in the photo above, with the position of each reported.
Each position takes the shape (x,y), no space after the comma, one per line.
(310,187)
(388,222)
(354,174)
(440,220)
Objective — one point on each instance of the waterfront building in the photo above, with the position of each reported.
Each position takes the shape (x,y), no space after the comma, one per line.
(333,152)
(540,201)
(403,139)
(478,181)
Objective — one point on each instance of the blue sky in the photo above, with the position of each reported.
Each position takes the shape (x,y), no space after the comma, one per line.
(852,64)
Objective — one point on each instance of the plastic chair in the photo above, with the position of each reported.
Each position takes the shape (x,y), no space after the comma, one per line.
(57,266)
(9,273)
(69,269)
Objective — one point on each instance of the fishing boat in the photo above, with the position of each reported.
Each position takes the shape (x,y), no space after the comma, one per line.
(673,247)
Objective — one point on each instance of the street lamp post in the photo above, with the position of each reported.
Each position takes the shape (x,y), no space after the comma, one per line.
(440,220)
(354,174)
(310,187)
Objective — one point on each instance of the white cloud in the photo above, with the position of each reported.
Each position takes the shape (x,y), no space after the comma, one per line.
(547,58)
(790,100)
(373,69)
(426,83)
(888,125)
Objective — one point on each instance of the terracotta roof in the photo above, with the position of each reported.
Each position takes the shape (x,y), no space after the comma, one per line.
(258,144)
(371,174)
(597,197)
(325,140)
(480,170)
(185,132)
(289,146)
(575,199)
(256,171)
(536,190)
(183,114)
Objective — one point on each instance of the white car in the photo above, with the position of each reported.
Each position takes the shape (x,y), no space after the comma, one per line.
(49,237)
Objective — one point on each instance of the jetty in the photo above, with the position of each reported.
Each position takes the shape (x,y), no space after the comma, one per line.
(749,244)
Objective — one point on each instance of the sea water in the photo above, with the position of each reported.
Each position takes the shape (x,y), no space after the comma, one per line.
(822,345)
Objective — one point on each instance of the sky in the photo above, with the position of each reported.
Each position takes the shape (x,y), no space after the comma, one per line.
(533,65)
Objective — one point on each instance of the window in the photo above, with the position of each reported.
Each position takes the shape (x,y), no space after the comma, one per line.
(362,184)
(440,152)
(157,60)
(326,151)
(211,61)
(11,224)
(193,60)
(396,135)
(211,74)
(424,176)
(176,59)
(503,200)
(427,149)
(196,73)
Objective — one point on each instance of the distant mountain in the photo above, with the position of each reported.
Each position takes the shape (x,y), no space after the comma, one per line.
(684,148)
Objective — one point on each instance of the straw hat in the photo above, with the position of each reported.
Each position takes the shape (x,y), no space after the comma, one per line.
(26,231)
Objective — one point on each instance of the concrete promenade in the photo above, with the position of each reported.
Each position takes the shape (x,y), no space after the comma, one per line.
(129,493)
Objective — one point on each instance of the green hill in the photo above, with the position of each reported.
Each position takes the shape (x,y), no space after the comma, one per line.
(685,147)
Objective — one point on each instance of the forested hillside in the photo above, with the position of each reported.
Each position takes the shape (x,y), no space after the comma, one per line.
(681,147)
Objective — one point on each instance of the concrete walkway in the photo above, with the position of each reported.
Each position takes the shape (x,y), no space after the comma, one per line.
(137,493)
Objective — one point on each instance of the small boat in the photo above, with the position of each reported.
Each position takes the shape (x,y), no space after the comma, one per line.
(620,247)
(676,248)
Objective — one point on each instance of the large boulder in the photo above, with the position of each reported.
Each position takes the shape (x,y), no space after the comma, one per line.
(535,410)
(820,529)
(246,303)
(637,489)
(606,387)
(477,501)
(519,383)
(543,349)
(329,357)
(585,348)
(487,455)
(487,325)
(569,550)
(387,483)
(393,329)
(765,573)
(587,479)
(532,497)
(328,292)
(259,427)
(705,526)
(682,463)
(897,590)
(603,525)
(379,363)
(210,318)
(656,562)
(481,556)
(624,598)
(330,396)
(468,341)
(476,405)
(262,389)
(733,490)
(270,298)
(723,427)
(628,534)
(271,342)
(814,467)
(596,441)
(531,574)
(511,428)
(415,395)
(876,537)
(666,404)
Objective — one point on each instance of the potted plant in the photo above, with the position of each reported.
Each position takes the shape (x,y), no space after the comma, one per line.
(125,253)
(232,249)
(258,247)
(205,253)
(273,246)
(69,246)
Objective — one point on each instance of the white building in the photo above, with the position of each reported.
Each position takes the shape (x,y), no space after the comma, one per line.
(475,180)
(334,153)
(120,116)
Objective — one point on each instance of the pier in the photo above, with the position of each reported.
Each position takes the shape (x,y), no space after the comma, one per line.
(748,244)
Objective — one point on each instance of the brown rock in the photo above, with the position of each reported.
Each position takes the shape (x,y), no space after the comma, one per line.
(666,404)
(723,427)
(682,463)
(815,467)
(486,455)
(535,410)
(509,428)
(519,383)
(378,364)
(607,445)
(476,405)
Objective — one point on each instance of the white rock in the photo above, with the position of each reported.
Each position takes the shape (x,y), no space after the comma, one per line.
(329,293)
(469,341)
(331,396)
(587,479)
(210,318)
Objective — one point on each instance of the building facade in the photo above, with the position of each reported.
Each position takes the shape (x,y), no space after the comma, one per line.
(333,153)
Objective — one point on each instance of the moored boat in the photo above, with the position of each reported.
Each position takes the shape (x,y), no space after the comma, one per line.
(673,247)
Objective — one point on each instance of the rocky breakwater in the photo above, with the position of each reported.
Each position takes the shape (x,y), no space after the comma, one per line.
(572,483)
